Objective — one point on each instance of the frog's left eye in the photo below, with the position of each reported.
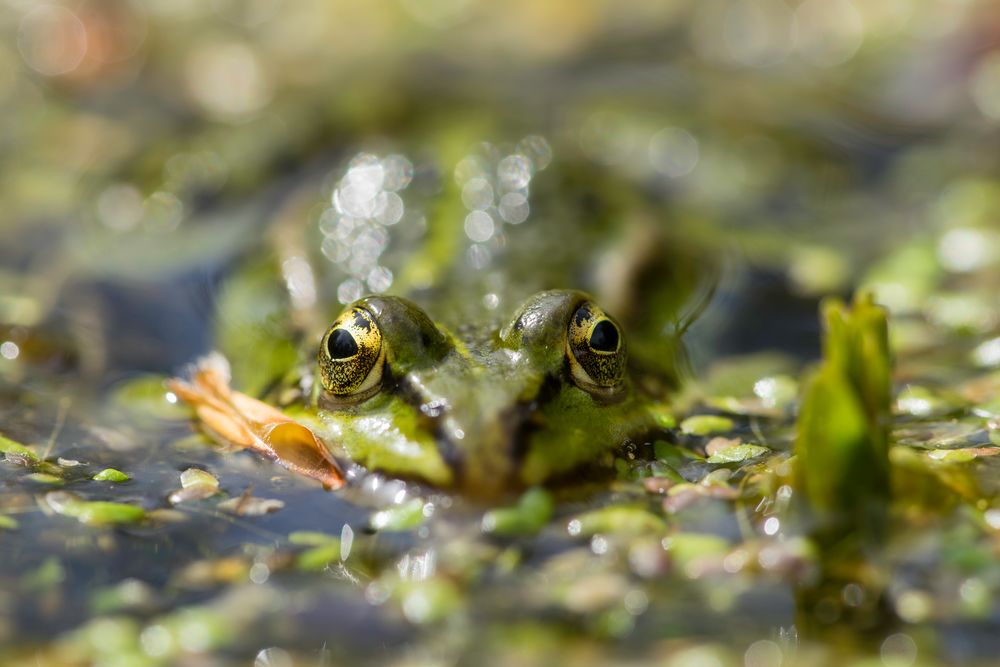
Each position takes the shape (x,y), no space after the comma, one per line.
(596,351)
(351,355)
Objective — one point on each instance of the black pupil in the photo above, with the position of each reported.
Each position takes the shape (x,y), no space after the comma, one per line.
(604,337)
(341,344)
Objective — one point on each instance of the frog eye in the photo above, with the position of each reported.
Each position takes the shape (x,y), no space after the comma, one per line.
(596,349)
(351,355)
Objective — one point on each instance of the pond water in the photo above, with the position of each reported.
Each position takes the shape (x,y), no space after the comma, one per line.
(226,176)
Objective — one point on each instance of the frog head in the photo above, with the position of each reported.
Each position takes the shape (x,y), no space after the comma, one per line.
(484,409)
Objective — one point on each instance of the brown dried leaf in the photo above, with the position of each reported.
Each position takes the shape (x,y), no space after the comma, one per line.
(246,422)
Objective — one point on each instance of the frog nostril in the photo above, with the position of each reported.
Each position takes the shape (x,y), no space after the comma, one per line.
(604,337)
(341,344)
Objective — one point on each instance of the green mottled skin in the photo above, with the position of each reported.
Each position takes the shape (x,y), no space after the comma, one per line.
(485,412)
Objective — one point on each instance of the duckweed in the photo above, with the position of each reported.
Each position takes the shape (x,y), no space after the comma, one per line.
(531,513)
(738,454)
(11,448)
(706,425)
(407,516)
(93,512)
(111,475)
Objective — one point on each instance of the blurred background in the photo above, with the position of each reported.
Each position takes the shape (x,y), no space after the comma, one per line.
(148,145)
(179,176)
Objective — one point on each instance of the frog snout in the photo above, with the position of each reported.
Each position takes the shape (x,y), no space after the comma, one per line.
(481,424)
(486,449)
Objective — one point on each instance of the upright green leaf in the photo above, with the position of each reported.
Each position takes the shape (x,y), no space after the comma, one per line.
(843,428)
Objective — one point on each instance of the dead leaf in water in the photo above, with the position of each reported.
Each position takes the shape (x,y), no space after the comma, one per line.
(246,422)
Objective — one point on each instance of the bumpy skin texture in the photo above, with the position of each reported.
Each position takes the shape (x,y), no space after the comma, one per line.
(414,339)
(495,410)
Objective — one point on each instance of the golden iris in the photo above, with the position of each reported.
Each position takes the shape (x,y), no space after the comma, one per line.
(597,352)
(351,355)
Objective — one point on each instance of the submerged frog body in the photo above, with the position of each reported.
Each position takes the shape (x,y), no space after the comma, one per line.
(485,411)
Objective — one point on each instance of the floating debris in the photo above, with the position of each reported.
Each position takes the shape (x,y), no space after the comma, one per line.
(111,475)
(196,484)
(706,425)
(244,421)
(251,506)
(407,516)
(737,453)
(93,512)
(528,516)
(618,520)
(16,452)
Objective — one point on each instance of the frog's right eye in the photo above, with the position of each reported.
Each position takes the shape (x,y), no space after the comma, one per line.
(351,355)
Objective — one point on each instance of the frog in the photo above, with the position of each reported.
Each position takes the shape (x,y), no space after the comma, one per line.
(485,410)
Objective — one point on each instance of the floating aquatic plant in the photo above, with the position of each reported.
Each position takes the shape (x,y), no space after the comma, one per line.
(93,512)
(528,516)
(111,475)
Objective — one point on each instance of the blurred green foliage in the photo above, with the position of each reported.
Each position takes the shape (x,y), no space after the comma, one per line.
(842,445)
